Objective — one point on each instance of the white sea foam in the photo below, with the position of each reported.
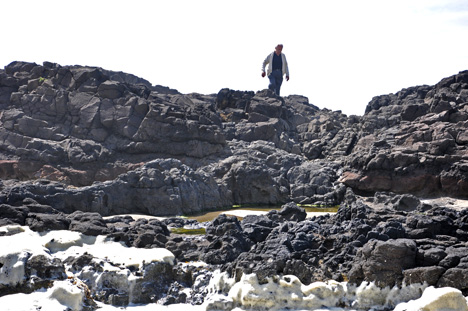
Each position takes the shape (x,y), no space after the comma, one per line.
(15,251)
(67,294)
(287,292)
(440,299)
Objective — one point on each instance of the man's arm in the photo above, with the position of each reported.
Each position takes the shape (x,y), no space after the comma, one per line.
(286,67)
(265,62)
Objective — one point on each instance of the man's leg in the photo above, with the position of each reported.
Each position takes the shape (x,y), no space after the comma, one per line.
(272,85)
(279,81)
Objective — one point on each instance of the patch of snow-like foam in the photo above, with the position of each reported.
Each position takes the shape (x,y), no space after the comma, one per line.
(15,250)
(436,299)
(67,294)
(220,283)
(369,295)
(66,243)
(63,240)
(12,270)
(287,292)
(116,259)
(64,295)
(195,226)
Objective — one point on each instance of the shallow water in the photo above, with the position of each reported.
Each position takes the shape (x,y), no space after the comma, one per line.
(257,210)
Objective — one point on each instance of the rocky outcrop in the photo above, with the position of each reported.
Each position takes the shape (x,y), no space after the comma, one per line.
(413,142)
(80,125)
(84,138)
(99,135)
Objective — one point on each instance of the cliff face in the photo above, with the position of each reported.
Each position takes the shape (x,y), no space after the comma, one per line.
(82,138)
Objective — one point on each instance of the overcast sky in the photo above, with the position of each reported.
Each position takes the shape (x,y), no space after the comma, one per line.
(341,53)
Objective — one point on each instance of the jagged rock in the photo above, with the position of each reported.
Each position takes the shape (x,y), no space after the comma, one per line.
(87,223)
(45,222)
(383,262)
(227,240)
(430,275)
(186,248)
(43,271)
(407,203)
(292,212)
(140,233)
(257,228)
(12,215)
(454,277)
(111,89)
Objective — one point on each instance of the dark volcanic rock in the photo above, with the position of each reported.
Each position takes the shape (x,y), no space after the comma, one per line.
(409,143)
(44,222)
(88,223)
(79,143)
(384,261)
(291,212)
(44,271)
(141,233)
(12,214)
(430,275)
(455,277)
(227,241)
(79,125)
(257,228)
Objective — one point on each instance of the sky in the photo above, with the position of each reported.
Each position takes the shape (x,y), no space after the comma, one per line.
(340,53)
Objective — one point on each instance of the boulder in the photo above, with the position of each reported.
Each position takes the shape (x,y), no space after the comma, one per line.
(382,262)
(87,223)
(12,215)
(456,278)
(46,222)
(420,275)
(292,212)
(257,228)
(110,89)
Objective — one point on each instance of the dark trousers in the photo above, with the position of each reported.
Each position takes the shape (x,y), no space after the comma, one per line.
(276,79)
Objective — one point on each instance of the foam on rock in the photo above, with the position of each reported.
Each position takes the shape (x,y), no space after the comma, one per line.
(64,295)
(117,259)
(67,294)
(15,250)
(65,242)
(436,299)
(287,292)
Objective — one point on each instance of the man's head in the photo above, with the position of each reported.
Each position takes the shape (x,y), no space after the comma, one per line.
(278,49)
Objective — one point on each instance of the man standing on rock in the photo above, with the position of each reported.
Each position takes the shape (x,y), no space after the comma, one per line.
(278,66)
